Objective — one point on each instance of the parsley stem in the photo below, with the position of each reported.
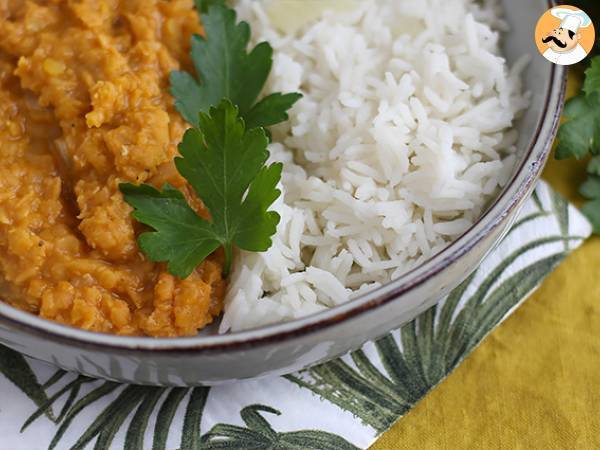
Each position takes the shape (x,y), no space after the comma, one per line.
(228,249)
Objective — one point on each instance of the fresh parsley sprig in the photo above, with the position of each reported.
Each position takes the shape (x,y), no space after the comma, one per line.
(223,155)
(225,164)
(224,69)
(203,5)
(579,137)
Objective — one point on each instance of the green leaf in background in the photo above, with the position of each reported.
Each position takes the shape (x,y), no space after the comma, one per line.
(580,135)
(591,187)
(593,167)
(592,77)
(592,212)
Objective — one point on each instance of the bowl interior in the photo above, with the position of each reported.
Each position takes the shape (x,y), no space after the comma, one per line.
(542,79)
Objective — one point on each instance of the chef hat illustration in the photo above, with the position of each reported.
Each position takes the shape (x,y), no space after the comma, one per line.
(572,20)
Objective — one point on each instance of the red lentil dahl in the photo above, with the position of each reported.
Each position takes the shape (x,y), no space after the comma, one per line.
(84,105)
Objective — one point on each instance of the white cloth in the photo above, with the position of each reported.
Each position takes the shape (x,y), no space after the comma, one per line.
(566,58)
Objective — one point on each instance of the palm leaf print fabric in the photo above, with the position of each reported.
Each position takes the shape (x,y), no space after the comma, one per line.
(342,404)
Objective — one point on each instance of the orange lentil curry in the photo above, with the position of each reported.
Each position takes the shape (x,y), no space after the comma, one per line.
(84,105)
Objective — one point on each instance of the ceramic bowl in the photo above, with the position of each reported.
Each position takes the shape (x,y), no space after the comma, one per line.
(286,347)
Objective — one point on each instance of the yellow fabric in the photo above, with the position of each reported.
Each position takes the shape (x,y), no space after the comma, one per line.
(534,383)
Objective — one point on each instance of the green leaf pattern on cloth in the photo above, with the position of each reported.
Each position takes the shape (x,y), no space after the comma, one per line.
(342,404)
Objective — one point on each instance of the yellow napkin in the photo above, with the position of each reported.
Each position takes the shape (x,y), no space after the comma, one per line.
(534,383)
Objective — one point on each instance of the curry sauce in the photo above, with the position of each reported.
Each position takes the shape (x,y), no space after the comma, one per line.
(84,106)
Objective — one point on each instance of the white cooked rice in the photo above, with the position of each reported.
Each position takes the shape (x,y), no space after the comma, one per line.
(401,139)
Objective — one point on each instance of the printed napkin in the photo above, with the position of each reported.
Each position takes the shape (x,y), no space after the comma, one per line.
(343,404)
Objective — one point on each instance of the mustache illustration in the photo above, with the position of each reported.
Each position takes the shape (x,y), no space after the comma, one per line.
(556,41)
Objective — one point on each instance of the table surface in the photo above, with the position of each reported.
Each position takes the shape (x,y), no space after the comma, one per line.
(534,383)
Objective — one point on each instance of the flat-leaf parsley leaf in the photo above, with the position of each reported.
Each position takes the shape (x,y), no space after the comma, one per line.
(225,69)
(225,164)
(203,5)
